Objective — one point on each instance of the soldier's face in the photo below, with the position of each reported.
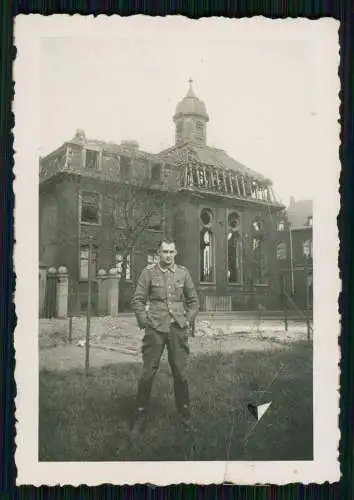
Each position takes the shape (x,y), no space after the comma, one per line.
(167,253)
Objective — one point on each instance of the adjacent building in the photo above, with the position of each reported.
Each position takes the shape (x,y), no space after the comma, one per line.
(224,217)
(295,252)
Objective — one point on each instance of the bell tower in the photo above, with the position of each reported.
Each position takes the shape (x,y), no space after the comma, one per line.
(191,119)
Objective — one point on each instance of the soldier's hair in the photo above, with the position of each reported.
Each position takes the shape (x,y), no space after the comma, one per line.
(169,241)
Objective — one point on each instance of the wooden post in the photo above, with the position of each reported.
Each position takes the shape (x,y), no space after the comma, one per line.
(70,329)
(88,313)
(284,303)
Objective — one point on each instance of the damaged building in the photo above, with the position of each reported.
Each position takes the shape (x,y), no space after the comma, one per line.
(223,216)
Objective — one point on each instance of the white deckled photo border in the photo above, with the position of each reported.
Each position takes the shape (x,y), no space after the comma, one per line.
(323,34)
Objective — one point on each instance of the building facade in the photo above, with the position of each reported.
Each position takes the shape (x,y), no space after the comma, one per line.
(121,201)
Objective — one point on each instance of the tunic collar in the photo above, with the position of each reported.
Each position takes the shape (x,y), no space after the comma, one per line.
(172,268)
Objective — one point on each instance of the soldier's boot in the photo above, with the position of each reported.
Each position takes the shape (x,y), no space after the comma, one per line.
(182,403)
(140,416)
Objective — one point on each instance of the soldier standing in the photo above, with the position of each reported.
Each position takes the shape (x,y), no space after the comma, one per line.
(173,306)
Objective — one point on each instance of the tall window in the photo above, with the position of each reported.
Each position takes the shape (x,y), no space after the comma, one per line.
(84,262)
(234,249)
(259,254)
(206,246)
(92,159)
(281,225)
(90,207)
(119,260)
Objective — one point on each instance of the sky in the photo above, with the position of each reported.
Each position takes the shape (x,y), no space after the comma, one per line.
(260,94)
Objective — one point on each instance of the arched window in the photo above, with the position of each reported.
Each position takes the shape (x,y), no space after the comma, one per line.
(259,256)
(234,249)
(206,254)
(206,246)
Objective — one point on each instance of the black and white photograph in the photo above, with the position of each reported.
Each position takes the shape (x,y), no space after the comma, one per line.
(176,250)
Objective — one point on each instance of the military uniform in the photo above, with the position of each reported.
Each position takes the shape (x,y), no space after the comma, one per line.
(165,303)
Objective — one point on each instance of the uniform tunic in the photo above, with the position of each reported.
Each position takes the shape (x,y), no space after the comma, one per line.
(170,295)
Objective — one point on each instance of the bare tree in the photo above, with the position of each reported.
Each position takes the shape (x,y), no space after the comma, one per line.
(133,208)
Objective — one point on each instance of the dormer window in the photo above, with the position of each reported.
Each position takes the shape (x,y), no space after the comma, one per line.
(156,173)
(125,166)
(92,159)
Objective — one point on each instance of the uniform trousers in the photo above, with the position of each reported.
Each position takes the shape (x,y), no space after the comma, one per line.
(154,342)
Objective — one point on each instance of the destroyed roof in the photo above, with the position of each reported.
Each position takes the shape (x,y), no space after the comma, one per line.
(210,156)
(126,147)
(299,213)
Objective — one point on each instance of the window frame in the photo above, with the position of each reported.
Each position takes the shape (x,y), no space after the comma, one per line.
(82,193)
(209,227)
(233,230)
(98,162)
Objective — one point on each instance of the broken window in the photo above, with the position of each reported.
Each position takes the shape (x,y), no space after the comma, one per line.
(84,262)
(259,256)
(90,207)
(256,226)
(206,255)
(121,261)
(206,217)
(125,166)
(92,159)
(234,248)
(281,251)
(206,246)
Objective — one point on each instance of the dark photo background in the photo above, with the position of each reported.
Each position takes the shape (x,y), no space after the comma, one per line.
(340,10)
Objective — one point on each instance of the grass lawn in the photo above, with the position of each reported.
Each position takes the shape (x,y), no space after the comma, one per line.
(86,419)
